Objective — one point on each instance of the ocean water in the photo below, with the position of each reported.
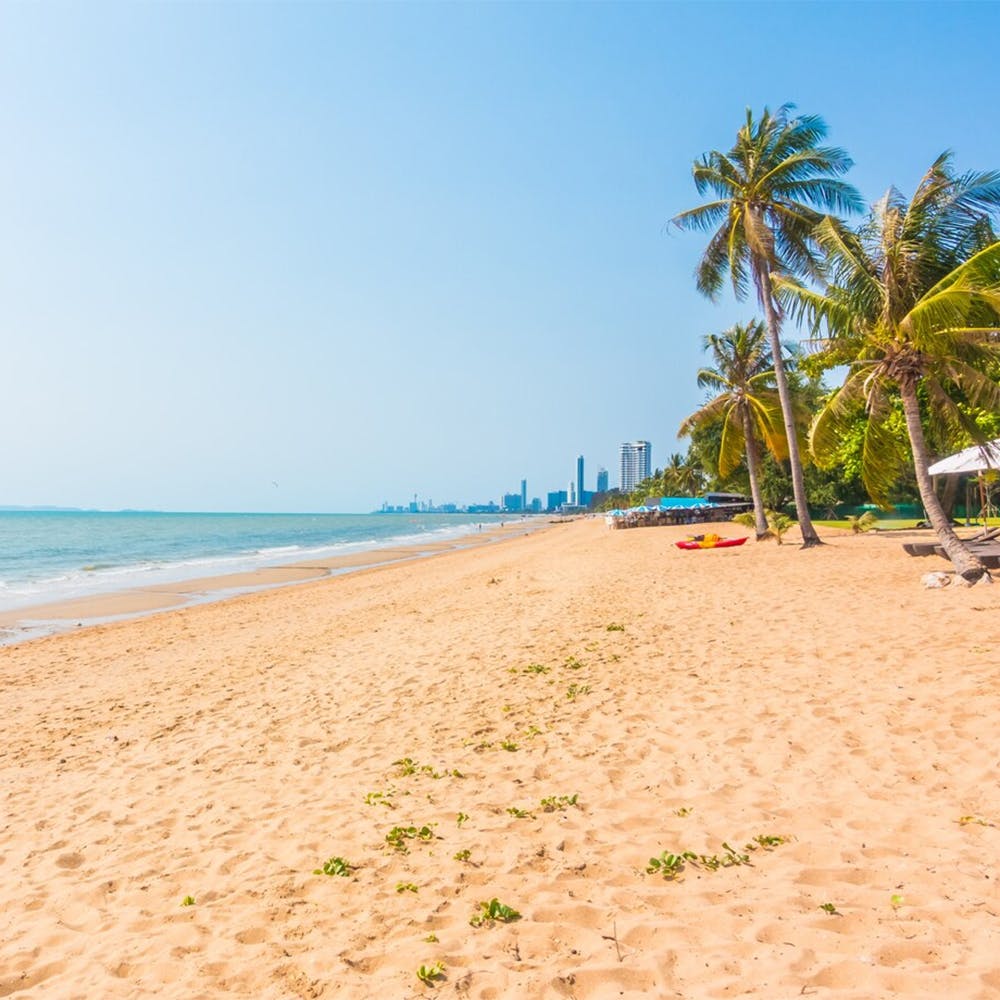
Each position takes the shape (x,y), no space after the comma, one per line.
(61,555)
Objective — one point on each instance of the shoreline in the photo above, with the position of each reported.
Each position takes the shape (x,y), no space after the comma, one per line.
(36,621)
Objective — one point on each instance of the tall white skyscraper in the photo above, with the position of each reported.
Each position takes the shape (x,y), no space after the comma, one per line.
(636,463)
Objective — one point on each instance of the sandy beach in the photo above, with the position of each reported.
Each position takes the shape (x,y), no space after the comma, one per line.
(531,722)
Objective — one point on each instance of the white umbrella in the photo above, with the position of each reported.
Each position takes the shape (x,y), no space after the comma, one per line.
(975,459)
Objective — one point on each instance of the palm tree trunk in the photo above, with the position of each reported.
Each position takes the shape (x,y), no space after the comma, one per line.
(966,564)
(753,464)
(762,274)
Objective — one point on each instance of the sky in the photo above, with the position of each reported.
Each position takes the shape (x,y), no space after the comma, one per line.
(314,257)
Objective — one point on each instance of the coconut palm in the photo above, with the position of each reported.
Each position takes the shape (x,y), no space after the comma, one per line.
(912,306)
(772,188)
(682,477)
(745,401)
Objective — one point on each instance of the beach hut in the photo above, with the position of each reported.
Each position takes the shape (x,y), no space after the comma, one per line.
(977,460)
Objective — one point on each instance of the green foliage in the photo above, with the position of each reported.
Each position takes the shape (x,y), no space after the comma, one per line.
(428,974)
(576,690)
(670,865)
(778,524)
(535,668)
(407,887)
(462,855)
(335,866)
(909,304)
(494,912)
(614,627)
(519,813)
(187,901)
(831,909)
(381,799)
(554,802)
(407,766)
(572,663)
(862,522)
(509,745)
(396,838)
(431,938)
(461,818)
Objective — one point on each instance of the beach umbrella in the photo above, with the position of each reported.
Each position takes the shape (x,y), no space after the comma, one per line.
(978,458)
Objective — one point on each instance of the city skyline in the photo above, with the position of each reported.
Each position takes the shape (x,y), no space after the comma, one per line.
(577,495)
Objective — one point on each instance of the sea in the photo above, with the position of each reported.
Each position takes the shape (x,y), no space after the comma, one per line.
(48,556)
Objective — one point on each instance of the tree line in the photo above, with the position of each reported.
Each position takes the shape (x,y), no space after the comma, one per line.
(905,303)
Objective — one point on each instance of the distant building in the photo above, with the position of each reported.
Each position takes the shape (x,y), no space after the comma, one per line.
(512,502)
(602,479)
(579,478)
(555,499)
(535,506)
(636,463)
(524,494)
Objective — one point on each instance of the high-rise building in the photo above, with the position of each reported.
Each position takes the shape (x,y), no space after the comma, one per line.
(555,499)
(636,463)
(512,503)
(602,479)
(579,479)
(524,494)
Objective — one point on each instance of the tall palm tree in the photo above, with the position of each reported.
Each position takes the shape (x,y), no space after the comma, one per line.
(770,188)
(912,306)
(746,402)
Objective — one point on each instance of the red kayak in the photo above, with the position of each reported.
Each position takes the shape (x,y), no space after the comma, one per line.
(711,542)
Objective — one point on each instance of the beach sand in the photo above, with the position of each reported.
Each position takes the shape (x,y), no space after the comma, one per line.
(224,751)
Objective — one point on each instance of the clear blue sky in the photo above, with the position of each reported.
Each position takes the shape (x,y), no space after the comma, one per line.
(369,250)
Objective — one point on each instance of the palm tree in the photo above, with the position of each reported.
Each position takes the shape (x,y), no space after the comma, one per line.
(682,477)
(745,401)
(912,306)
(769,188)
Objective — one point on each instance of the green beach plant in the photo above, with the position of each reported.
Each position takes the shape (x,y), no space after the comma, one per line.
(494,912)
(519,813)
(670,865)
(335,866)
(554,802)
(187,901)
(861,522)
(396,838)
(406,887)
(462,855)
(428,974)
(535,668)
(831,909)
(778,524)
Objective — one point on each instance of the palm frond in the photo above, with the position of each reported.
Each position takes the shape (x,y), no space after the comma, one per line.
(733,442)
(704,217)
(830,425)
(715,409)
